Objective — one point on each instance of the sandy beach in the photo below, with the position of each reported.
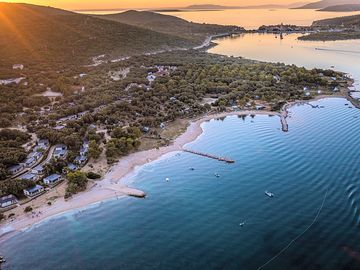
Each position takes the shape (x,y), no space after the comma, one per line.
(112,185)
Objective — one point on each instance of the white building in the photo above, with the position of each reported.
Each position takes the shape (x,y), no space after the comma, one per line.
(7,201)
(33,191)
(51,179)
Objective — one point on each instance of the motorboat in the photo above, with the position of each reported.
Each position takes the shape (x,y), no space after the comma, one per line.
(267,193)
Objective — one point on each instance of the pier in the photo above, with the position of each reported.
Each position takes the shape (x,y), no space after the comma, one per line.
(224,159)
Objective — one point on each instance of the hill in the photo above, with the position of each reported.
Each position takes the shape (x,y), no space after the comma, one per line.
(342,8)
(328,3)
(171,25)
(34,34)
(217,7)
(349,25)
(347,22)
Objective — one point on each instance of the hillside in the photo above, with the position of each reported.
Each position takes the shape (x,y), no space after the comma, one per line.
(35,34)
(195,32)
(349,26)
(328,3)
(342,8)
(347,21)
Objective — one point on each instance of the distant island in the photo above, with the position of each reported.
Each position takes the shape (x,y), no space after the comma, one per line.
(342,8)
(328,3)
(171,25)
(341,28)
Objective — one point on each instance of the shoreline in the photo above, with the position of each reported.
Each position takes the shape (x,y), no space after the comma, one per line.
(115,182)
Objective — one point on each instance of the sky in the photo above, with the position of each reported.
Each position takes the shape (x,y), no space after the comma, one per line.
(126,4)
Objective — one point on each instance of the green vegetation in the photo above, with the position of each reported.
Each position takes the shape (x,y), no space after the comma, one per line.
(11,151)
(346,21)
(59,37)
(122,143)
(94,150)
(346,28)
(14,186)
(28,209)
(332,36)
(171,25)
(92,175)
(77,182)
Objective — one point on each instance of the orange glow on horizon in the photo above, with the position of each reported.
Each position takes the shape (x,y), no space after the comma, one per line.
(127,4)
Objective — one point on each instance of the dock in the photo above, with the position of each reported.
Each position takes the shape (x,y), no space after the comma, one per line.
(224,159)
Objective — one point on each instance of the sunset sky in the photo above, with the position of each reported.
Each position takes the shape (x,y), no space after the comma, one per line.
(109,4)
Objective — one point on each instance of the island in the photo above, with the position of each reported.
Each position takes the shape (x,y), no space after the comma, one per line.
(341,28)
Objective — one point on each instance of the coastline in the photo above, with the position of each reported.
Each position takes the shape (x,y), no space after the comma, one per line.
(113,184)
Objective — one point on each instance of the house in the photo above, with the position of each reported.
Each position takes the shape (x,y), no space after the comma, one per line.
(60,151)
(59,127)
(151,77)
(36,155)
(80,160)
(29,177)
(33,191)
(7,201)
(51,179)
(18,66)
(72,167)
(43,143)
(39,169)
(30,161)
(259,107)
(83,151)
(16,169)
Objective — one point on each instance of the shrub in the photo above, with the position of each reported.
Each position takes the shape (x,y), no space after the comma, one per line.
(92,175)
(28,209)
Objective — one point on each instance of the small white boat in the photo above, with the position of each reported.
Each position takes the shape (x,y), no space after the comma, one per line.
(267,193)
(242,224)
(217,175)
(167,179)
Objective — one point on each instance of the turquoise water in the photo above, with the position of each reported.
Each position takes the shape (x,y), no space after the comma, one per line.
(192,221)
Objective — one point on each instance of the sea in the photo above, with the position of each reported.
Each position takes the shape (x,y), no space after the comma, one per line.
(213,215)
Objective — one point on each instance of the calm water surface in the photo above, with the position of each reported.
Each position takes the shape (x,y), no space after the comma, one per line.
(192,221)
(254,18)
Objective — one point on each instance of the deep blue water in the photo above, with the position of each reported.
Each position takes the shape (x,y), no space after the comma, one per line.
(192,221)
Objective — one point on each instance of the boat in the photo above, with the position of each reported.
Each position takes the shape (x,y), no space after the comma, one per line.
(167,179)
(217,175)
(267,193)
(192,169)
(242,224)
